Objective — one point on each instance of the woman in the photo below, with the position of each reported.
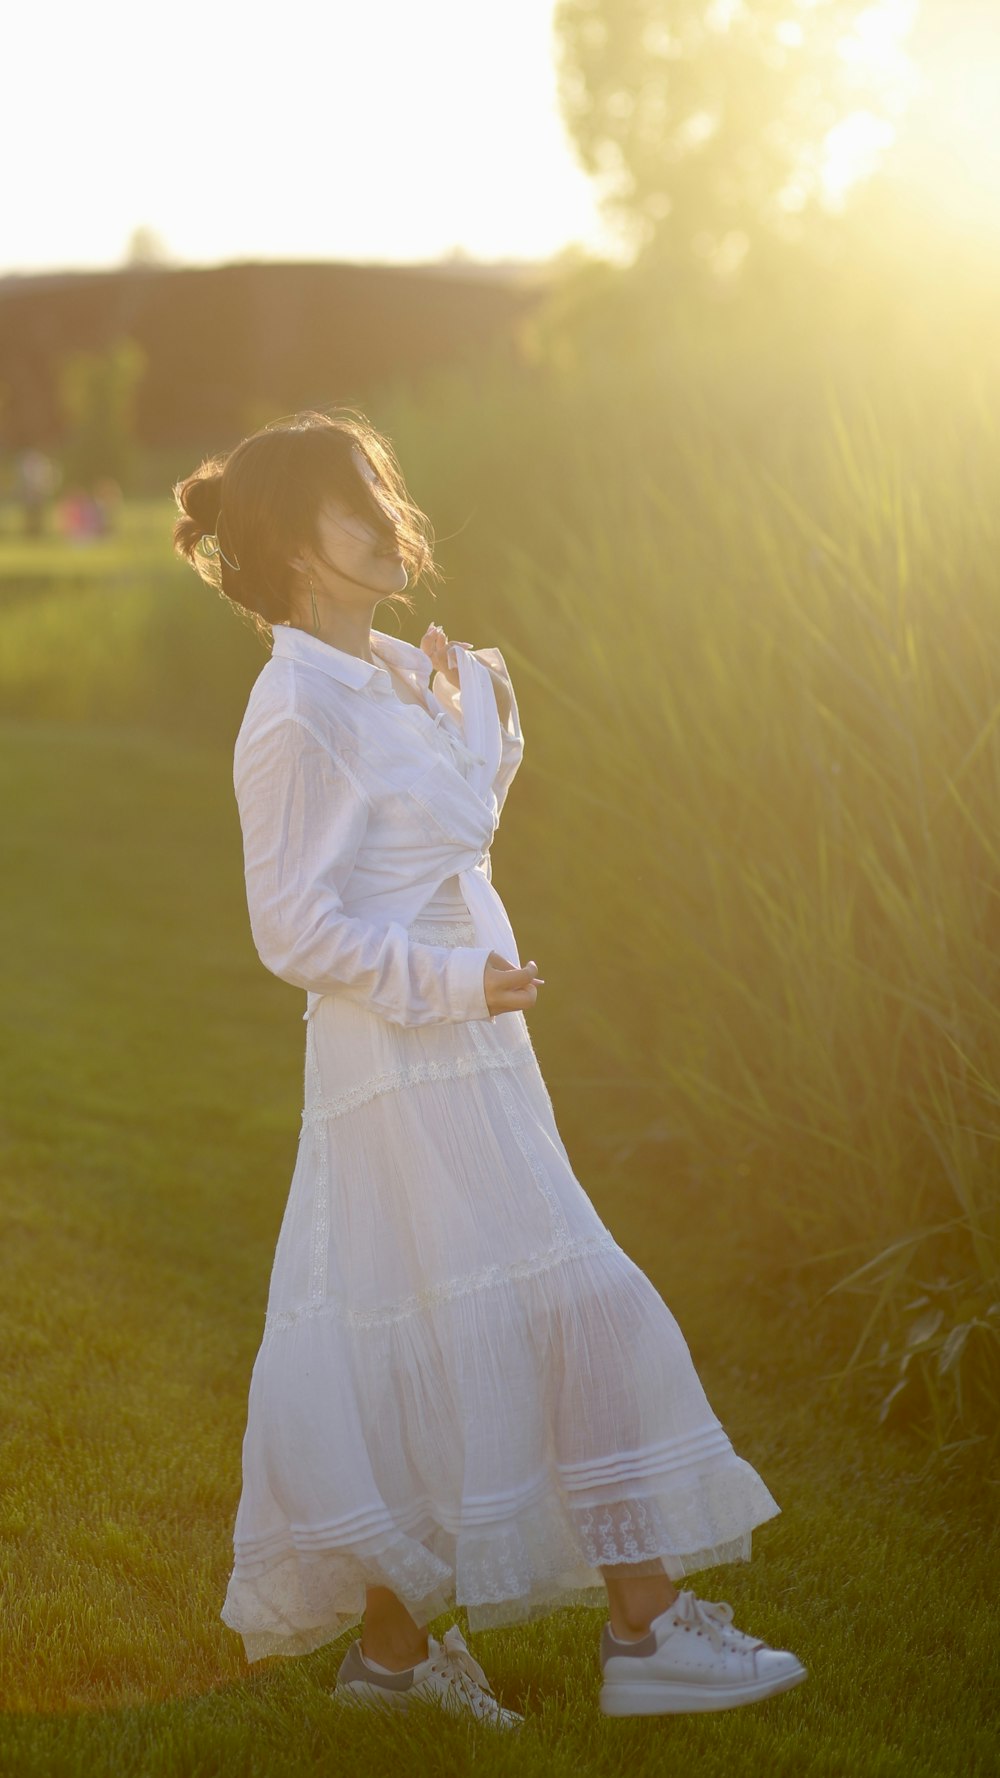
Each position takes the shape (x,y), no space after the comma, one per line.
(466,1392)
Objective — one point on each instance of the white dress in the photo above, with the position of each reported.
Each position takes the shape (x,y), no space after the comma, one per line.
(466,1391)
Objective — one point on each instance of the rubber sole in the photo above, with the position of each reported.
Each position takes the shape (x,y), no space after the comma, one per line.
(670,1697)
(376,1697)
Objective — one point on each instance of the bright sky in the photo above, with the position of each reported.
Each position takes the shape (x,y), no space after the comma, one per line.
(395,130)
(369,130)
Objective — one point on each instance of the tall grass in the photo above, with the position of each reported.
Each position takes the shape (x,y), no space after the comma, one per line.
(753,842)
(767,686)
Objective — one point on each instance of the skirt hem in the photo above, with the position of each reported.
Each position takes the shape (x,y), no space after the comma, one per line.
(297,1599)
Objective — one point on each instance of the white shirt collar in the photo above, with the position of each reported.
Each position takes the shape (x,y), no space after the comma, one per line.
(298,645)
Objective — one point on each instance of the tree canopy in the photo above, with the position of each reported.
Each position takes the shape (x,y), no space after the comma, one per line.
(704,123)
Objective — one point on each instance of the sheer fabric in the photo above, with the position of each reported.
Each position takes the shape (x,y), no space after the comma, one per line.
(465,1390)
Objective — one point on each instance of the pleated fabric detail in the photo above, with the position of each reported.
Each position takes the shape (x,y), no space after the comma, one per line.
(466,1390)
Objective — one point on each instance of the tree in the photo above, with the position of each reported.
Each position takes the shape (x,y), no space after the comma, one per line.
(146,247)
(705,122)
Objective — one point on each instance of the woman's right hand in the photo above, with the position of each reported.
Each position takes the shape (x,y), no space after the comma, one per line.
(509,989)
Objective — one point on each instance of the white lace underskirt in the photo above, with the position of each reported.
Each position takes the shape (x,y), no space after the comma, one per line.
(466,1391)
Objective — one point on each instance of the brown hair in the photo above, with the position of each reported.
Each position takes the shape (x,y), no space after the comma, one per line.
(263,499)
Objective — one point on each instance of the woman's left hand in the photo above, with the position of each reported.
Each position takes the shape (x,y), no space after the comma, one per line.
(435,643)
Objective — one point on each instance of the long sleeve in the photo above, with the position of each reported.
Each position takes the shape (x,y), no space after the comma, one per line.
(304,817)
(511,736)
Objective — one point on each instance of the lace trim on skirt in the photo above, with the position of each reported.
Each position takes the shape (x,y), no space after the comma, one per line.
(331,1105)
(277,1320)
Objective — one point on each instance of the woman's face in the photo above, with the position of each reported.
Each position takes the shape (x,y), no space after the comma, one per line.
(351,542)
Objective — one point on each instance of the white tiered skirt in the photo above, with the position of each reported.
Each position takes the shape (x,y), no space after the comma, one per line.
(466,1391)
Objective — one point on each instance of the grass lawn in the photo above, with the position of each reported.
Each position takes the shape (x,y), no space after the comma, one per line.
(152,1076)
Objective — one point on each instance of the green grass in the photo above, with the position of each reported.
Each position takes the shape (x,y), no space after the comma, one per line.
(134,544)
(752,846)
(153,1075)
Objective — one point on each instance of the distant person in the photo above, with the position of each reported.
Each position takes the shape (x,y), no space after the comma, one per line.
(35,482)
(466,1392)
(80,516)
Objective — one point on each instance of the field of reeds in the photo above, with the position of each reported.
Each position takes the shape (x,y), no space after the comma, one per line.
(752,620)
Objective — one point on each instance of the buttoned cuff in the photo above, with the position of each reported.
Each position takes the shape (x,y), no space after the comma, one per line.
(465,978)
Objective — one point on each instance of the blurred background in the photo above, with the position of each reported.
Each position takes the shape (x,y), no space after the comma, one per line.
(682,319)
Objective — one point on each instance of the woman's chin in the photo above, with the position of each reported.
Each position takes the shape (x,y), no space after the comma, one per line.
(395,568)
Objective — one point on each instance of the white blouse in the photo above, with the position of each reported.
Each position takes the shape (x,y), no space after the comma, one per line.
(357,807)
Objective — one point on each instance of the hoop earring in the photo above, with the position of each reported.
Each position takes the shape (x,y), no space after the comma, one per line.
(315,613)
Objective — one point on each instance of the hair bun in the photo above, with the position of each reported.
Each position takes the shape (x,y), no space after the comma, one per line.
(199,498)
(202,499)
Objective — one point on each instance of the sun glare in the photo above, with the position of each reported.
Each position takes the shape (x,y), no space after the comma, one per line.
(955,147)
(931,106)
(876,61)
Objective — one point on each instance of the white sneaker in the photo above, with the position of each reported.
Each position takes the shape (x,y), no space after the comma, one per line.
(449,1678)
(692,1658)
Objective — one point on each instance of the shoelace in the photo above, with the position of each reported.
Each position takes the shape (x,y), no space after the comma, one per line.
(451,1658)
(713,1619)
(723,1613)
